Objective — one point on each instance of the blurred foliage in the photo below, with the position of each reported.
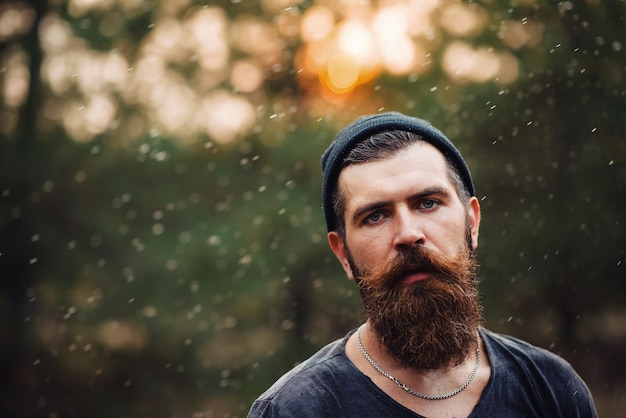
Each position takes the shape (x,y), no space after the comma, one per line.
(146,274)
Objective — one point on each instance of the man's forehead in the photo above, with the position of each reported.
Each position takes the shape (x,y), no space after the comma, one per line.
(419,155)
(419,166)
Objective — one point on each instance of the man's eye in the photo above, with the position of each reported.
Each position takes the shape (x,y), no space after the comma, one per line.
(428,204)
(374,218)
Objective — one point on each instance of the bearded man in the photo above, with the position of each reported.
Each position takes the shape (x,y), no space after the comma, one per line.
(403,220)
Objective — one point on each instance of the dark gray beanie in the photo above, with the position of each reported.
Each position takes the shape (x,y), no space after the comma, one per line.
(366,126)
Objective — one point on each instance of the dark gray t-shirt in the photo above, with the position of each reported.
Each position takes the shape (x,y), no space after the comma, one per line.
(526,381)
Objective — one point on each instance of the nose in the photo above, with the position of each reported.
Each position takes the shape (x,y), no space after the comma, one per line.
(408,231)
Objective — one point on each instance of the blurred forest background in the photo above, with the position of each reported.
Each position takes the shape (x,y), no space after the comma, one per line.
(162,245)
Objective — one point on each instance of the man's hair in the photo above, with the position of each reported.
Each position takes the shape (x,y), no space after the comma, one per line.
(379,147)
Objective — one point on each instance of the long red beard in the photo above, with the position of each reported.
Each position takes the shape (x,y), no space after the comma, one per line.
(429,324)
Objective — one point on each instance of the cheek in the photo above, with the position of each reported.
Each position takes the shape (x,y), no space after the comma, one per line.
(444,232)
(454,237)
(367,252)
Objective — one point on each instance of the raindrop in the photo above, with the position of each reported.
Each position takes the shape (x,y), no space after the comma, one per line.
(138,245)
(171,264)
(16,213)
(230,322)
(128,273)
(184,237)
(149,311)
(80,176)
(157,229)
(161,156)
(214,240)
(194,286)
(245,260)
(48,186)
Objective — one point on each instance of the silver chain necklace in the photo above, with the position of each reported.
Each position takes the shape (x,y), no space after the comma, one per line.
(408,389)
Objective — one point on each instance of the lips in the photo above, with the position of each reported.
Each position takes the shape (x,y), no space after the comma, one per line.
(415,275)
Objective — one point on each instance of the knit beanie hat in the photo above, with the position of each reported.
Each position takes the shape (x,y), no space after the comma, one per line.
(366,126)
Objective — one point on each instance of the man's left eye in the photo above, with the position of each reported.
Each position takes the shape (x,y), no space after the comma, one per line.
(428,204)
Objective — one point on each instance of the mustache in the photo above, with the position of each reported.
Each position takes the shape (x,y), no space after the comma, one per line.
(411,260)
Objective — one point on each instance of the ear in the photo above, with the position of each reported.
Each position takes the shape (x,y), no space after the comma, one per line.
(473,210)
(339,248)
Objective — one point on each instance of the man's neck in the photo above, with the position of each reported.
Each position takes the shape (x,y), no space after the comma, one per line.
(441,381)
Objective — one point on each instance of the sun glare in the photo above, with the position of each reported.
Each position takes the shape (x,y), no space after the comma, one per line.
(356,39)
(227,116)
(317,24)
(16,78)
(467,20)
(464,64)
(343,73)
(199,57)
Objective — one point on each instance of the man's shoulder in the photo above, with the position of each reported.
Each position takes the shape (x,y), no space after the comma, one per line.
(326,360)
(525,375)
(506,347)
(314,385)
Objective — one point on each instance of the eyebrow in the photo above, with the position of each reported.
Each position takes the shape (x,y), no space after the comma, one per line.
(370,207)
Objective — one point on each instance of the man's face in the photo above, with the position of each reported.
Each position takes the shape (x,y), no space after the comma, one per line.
(409,244)
(405,200)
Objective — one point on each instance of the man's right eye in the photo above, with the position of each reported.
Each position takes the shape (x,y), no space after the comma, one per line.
(373,218)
